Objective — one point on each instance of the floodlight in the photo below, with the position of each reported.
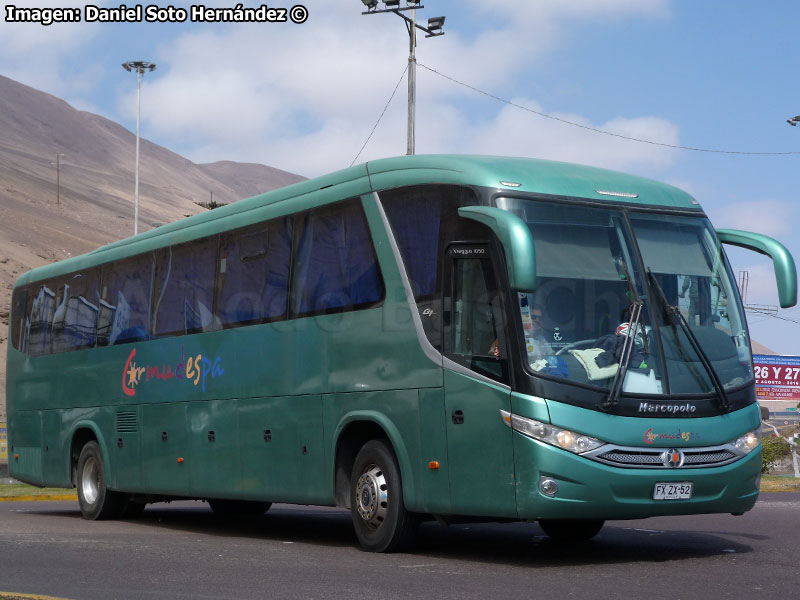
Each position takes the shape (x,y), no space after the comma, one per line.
(138,65)
(391,3)
(370,4)
(435,23)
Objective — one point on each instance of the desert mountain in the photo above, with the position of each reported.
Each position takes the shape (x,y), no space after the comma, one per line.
(93,204)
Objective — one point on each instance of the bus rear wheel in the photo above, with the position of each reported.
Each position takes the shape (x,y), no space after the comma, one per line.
(95,500)
(380,519)
(571,530)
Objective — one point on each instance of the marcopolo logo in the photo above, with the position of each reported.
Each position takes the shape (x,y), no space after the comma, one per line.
(196,369)
(652,407)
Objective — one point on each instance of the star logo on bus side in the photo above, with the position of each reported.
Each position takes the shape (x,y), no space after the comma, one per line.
(134,373)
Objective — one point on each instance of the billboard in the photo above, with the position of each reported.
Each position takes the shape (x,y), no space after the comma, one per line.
(778,381)
(3,442)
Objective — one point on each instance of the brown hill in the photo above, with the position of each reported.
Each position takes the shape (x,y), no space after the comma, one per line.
(93,204)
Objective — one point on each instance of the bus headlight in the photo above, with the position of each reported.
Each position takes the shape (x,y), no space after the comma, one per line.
(550,434)
(748,442)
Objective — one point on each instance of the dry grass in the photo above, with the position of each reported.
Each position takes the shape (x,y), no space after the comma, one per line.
(779,483)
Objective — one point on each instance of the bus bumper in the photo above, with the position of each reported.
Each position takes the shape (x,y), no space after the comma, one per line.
(591,490)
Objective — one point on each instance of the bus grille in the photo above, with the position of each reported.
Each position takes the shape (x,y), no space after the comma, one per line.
(652,458)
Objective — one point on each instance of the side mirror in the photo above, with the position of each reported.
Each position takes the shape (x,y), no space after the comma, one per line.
(785,270)
(517,241)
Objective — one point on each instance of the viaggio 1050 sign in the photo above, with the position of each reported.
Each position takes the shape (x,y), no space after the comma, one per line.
(778,381)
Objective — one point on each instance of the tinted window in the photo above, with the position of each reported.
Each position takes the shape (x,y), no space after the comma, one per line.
(254,273)
(183,300)
(39,323)
(476,338)
(124,305)
(424,220)
(335,267)
(19,308)
(75,317)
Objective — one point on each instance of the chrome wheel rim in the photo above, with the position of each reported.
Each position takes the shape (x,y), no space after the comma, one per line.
(90,480)
(372,498)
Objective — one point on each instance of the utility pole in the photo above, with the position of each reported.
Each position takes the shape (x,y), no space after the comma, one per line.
(434,29)
(58,176)
(412,80)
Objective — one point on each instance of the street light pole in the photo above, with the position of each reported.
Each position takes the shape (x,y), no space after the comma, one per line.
(434,29)
(140,67)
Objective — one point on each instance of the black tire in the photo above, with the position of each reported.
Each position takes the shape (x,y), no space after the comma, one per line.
(380,518)
(571,530)
(95,500)
(231,509)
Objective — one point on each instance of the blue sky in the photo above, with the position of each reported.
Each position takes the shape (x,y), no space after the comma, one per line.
(715,74)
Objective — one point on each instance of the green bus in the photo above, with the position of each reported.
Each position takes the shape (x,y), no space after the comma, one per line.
(458,337)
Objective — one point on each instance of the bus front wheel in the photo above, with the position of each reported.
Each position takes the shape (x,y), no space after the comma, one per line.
(571,530)
(380,518)
(95,500)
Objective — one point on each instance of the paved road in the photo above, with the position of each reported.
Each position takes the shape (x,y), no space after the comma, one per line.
(181,551)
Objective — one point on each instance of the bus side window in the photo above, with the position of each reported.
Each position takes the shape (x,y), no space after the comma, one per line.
(40,321)
(124,311)
(335,266)
(254,274)
(19,316)
(75,319)
(424,220)
(184,290)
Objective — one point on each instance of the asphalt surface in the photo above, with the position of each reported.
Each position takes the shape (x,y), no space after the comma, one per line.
(181,550)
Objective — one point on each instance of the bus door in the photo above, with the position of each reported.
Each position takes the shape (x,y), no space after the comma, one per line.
(476,381)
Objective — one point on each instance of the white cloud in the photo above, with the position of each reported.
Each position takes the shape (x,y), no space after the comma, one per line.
(303,98)
(44,56)
(520,133)
(560,12)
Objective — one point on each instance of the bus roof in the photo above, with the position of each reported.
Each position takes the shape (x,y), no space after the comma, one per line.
(525,175)
(528,175)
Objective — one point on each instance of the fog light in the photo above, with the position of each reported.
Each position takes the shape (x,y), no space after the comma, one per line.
(758,482)
(547,486)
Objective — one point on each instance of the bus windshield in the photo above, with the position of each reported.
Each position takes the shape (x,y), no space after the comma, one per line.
(638,301)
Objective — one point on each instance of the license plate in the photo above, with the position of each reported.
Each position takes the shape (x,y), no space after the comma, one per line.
(673,491)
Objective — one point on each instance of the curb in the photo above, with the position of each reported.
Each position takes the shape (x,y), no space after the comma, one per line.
(14,596)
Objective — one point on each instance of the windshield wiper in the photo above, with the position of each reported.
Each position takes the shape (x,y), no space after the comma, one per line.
(625,356)
(627,347)
(675,315)
(633,296)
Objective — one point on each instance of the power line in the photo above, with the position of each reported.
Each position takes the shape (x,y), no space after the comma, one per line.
(758,312)
(595,130)
(381,117)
